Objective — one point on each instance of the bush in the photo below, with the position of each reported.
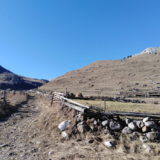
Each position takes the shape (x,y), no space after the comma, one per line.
(71,95)
(79,95)
(129,56)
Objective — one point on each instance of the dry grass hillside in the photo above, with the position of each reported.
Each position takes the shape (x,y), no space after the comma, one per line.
(135,75)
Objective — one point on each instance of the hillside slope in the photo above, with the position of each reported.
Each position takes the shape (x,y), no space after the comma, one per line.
(9,80)
(128,77)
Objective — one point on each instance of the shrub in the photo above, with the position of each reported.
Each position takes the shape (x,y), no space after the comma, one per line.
(79,95)
(71,95)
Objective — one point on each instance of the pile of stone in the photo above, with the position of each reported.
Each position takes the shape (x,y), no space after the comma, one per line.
(148,129)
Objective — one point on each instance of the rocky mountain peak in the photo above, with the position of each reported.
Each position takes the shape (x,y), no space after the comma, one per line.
(153,50)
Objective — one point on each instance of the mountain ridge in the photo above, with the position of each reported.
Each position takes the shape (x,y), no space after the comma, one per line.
(9,80)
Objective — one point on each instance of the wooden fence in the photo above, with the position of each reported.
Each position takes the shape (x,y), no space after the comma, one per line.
(96,110)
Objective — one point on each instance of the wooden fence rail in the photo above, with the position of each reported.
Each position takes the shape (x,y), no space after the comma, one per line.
(96,110)
(83,108)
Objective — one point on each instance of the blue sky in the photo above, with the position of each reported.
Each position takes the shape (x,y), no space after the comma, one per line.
(47,38)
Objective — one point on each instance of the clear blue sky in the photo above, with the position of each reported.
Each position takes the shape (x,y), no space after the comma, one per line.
(47,38)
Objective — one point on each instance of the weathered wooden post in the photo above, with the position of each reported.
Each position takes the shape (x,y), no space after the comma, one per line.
(66,92)
(105,107)
(4,98)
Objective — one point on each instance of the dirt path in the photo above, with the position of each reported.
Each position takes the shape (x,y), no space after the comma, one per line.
(15,140)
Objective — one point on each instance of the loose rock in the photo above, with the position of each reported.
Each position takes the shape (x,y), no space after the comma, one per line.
(140,124)
(132,126)
(95,122)
(151,136)
(145,129)
(64,125)
(105,123)
(109,144)
(116,126)
(126,130)
(128,121)
(143,139)
(150,124)
(147,148)
(146,119)
(65,135)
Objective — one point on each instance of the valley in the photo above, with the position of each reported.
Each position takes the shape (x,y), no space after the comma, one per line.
(85,100)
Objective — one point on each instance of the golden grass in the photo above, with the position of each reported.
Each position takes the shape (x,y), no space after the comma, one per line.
(119,106)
